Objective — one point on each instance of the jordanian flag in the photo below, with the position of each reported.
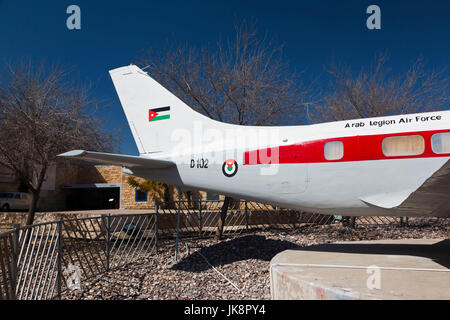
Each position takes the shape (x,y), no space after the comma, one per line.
(158,114)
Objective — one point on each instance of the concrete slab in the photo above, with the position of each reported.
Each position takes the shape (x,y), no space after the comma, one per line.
(385,269)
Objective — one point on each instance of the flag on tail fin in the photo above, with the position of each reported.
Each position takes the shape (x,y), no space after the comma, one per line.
(156,114)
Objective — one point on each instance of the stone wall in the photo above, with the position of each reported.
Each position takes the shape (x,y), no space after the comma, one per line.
(56,199)
(128,195)
(8,219)
(99,174)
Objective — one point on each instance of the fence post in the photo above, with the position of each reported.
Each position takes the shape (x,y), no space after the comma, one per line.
(59,259)
(108,240)
(156,225)
(403,221)
(294,218)
(246,215)
(178,224)
(14,261)
(200,218)
(353,222)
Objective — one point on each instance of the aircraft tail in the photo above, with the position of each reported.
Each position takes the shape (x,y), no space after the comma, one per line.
(152,111)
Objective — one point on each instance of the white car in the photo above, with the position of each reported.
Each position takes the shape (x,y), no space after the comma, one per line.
(14,201)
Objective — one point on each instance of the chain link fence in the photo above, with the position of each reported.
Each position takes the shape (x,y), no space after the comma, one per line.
(43,260)
(200,218)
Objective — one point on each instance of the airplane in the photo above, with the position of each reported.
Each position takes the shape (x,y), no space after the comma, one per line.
(390,166)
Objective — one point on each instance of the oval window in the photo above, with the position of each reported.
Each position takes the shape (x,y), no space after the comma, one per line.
(440,142)
(333,150)
(403,146)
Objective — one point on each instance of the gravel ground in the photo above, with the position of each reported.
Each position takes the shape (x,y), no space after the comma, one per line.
(243,259)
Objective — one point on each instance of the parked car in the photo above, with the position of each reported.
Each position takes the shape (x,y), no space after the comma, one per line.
(14,201)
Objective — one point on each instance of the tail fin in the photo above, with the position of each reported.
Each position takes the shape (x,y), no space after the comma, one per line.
(152,111)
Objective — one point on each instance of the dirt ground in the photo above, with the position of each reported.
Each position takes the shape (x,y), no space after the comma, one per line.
(235,268)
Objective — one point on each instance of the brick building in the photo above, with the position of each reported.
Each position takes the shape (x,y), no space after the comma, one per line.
(86,187)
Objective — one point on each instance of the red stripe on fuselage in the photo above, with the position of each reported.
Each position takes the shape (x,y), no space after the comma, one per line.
(356,148)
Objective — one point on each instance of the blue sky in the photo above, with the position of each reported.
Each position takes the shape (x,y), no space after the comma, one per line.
(114,33)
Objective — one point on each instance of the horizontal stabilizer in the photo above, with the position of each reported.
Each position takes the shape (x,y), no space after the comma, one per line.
(117,159)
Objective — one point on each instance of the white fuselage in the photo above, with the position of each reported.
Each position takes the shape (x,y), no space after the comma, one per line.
(362,182)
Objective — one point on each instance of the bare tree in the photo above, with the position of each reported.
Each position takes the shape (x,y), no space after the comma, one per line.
(43,114)
(380,92)
(245,81)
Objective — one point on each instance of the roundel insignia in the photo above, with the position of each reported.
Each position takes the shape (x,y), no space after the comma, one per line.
(230,168)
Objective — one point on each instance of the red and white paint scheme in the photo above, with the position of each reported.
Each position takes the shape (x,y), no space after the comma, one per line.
(394,165)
